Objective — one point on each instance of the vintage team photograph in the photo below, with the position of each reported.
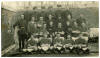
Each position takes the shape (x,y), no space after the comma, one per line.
(50,28)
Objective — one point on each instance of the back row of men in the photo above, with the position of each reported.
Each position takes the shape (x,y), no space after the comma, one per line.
(57,25)
(53,25)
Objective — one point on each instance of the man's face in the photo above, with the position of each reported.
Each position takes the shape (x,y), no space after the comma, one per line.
(44,25)
(59,17)
(68,23)
(50,16)
(33,18)
(51,23)
(83,24)
(68,36)
(69,17)
(59,24)
(22,16)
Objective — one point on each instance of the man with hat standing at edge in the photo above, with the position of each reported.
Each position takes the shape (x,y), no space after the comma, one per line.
(22,33)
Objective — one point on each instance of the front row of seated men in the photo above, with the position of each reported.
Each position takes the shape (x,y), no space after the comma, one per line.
(58,44)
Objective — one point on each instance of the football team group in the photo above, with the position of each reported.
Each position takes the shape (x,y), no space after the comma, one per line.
(52,32)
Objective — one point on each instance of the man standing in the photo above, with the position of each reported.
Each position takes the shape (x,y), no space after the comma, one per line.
(50,21)
(22,32)
(32,27)
(40,25)
(82,23)
(50,28)
(75,26)
(68,26)
(60,29)
(44,29)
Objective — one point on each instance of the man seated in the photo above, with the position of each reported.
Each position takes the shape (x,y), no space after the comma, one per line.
(68,44)
(32,44)
(45,43)
(81,43)
(57,42)
(75,35)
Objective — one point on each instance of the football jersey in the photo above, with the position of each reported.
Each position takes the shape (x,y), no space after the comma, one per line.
(58,40)
(45,41)
(68,41)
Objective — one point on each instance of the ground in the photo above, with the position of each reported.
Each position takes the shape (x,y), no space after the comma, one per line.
(56,55)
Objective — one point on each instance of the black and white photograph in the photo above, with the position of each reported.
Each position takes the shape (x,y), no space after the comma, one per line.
(49,28)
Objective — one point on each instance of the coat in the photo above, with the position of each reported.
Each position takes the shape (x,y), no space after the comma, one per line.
(32,27)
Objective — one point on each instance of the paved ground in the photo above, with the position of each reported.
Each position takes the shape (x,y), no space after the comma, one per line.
(53,55)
